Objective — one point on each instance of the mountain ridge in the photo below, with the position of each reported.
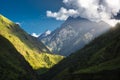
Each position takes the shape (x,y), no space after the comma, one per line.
(76,32)
(34,51)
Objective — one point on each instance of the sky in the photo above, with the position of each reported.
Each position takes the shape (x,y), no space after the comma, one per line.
(37,16)
(31,14)
(93,10)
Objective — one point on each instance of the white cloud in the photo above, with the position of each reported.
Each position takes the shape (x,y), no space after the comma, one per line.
(94,10)
(35,35)
(62,14)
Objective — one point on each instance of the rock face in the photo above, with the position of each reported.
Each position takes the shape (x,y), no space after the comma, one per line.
(45,34)
(73,34)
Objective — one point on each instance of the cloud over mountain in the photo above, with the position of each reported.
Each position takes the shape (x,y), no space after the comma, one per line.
(62,14)
(94,10)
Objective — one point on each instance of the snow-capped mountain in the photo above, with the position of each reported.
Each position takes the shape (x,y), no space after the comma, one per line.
(73,34)
(45,34)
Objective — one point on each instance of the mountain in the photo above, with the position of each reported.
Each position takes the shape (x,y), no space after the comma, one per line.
(12,64)
(98,60)
(74,34)
(45,34)
(34,52)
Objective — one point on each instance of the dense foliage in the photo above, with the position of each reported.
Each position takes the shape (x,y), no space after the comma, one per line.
(12,65)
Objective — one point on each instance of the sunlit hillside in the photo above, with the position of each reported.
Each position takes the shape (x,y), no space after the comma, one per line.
(33,51)
(13,66)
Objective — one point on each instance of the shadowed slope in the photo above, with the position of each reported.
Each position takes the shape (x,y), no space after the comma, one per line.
(12,64)
(98,60)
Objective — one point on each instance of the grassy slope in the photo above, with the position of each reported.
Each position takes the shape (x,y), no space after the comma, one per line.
(33,51)
(100,55)
(12,65)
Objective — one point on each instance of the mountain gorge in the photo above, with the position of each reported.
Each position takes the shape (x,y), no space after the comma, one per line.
(92,50)
(98,60)
(73,34)
(33,51)
(59,39)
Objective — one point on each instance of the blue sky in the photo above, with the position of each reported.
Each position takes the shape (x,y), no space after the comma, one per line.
(31,14)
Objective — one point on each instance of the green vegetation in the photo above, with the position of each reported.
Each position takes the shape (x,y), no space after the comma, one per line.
(12,65)
(99,60)
(34,52)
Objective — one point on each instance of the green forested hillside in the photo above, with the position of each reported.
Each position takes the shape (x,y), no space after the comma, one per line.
(13,66)
(34,52)
(99,60)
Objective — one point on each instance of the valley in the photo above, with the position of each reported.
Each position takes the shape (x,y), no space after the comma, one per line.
(59,39)
(23,56)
